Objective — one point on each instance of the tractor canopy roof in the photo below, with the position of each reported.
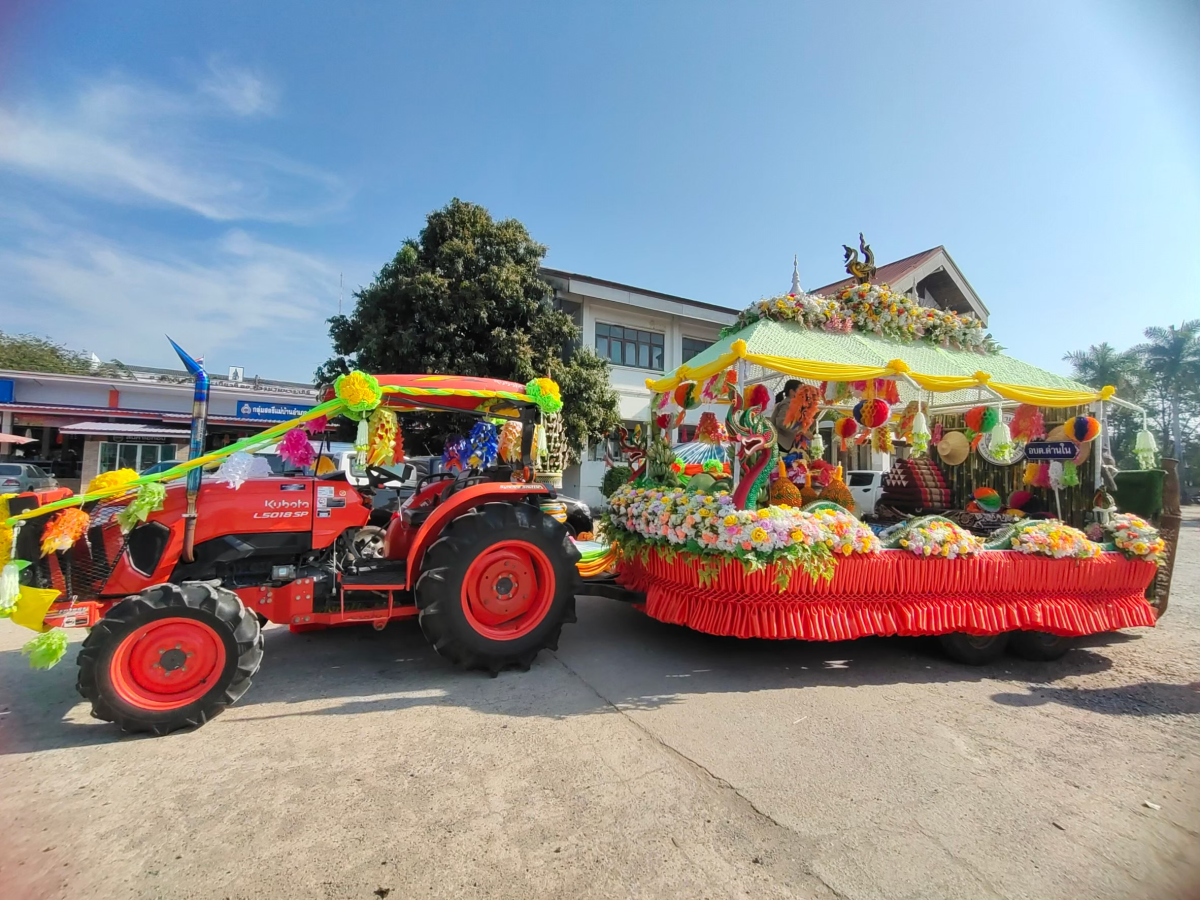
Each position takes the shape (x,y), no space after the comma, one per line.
(458,393)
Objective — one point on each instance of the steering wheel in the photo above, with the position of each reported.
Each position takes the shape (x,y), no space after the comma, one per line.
(379,477)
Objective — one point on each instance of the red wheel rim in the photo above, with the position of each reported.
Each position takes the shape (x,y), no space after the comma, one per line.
(167,663)
(508,590)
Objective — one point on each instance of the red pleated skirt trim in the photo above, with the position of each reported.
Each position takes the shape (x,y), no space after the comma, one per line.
(898,593)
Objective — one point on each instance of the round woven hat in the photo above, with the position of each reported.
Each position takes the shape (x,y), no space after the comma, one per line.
(953,448)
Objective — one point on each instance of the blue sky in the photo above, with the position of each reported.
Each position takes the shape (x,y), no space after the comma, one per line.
(211,169)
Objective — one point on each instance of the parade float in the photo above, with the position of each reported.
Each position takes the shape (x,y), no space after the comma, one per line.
(774,551)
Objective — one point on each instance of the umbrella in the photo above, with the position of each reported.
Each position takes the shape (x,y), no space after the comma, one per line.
(14,439)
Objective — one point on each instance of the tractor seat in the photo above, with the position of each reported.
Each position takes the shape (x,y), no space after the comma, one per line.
(414,518)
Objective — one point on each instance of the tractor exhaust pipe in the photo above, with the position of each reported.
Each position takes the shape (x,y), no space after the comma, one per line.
(195,448)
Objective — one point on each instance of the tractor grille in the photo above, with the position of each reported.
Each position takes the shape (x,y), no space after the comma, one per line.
(81,572)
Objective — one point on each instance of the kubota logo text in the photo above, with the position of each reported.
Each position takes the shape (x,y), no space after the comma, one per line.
(283,509)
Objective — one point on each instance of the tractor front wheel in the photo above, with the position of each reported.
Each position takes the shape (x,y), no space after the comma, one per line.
(171,657)
(497,587)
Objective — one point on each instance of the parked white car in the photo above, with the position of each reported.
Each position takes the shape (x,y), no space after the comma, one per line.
(866,488)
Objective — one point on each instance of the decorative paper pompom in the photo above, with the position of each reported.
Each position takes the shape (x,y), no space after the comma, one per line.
(296,449)
(881,440)
(1070,475)
(872,413)
(988,499)
(509,444)
(317,425)
(382,429)
(1019,499)
(1027,424)
(687,395)
(1031,474)
(758,397)
(845,429)
(107,481)
(1081,429)
(64,530)
(544,392)
(454,454)
(359,391)
(1042,477)
(150,498)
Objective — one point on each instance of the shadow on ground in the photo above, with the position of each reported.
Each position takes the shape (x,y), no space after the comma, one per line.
(624,659)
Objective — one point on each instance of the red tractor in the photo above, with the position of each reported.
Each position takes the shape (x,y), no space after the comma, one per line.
(175,612)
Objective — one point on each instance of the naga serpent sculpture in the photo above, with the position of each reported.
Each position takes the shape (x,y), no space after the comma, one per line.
(749,426)
(631,450)
(864,271)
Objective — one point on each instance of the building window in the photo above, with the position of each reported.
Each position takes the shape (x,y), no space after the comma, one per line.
(138,457)
(630,347)
(694,347)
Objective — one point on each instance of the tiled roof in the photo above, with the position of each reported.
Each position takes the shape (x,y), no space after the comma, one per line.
(887,274)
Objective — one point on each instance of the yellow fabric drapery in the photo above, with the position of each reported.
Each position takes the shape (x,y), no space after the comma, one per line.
(819,370)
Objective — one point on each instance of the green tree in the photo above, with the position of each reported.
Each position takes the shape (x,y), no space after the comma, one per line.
(30,353)
(1101,365)
(1171,357)
(465,298)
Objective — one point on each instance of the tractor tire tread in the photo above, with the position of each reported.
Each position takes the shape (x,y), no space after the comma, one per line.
(221,609)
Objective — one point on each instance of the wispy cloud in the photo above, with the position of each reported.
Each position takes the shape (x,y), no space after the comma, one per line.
(222,296)
(135,143)
(240,90)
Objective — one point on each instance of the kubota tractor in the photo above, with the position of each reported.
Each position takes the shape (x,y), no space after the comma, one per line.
(175,612)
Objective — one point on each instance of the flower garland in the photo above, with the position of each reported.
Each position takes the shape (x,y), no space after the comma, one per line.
(710,524)
(1053,538)
(359,391)
(846,533)
(936,536)
(872,308)
(1135,536)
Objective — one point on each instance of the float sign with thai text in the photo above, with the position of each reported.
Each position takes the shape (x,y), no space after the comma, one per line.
(1042,451)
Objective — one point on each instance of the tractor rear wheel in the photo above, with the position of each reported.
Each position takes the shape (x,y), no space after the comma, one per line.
(497,587)
(171,657)
(974,649)
(1040,646)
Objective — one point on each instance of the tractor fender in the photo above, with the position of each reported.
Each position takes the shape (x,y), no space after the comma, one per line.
(467,498)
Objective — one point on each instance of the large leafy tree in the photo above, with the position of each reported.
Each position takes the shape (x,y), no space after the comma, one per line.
(1171,358)
(30,353)
(465,298)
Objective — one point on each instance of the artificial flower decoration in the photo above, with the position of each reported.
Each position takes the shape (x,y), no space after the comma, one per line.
(317,425)
(1054,539)
(382,430)
(714,387)
(454,453)
(296,449)
(1145,448)
(110,481)
(509,445)
(802,410)
(758,397)
(150,498)
(63,530)
(1070,474)
(359,391)
(846,534)
(1135,536)
(938,537)
(845,429)
(240,466)
(483,446)
(45,650)
(1081,429)
(544,392)
(881,440)
(710,430)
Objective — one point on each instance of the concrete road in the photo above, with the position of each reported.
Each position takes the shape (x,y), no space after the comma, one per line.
(640,760)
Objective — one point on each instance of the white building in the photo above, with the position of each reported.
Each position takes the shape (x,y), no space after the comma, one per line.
(643,334)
